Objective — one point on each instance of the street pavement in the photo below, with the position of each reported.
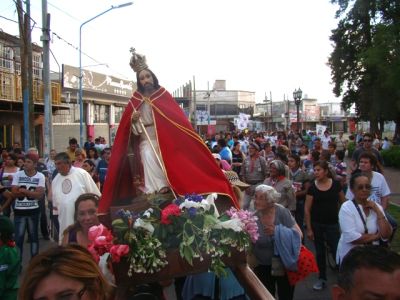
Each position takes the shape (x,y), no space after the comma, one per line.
(303,290)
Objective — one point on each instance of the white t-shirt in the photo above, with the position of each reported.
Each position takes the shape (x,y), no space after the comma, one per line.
(379,189)
(352,227)
(325,140)
(25,205)
(65,191)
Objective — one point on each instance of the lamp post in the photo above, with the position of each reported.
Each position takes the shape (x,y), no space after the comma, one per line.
(80,67)
(297,100)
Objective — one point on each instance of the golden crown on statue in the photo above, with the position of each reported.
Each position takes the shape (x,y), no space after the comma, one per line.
(138,61)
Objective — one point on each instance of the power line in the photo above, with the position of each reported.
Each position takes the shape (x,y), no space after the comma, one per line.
(63,11)
(9,19)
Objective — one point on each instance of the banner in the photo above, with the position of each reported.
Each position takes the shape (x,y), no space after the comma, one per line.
(320,130)
(243,121)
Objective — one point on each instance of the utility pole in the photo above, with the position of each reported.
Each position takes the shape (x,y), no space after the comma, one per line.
(45,38)
(30,74)
(272,117)
(24,70)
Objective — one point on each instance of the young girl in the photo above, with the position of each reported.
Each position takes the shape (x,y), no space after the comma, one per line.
(10,262)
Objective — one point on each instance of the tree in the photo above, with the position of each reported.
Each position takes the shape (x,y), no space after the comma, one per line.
(365,62)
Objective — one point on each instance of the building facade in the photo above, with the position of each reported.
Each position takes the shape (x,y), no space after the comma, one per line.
(11,99)
(104,100)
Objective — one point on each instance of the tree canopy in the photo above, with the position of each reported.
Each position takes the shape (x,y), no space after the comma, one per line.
(365,62)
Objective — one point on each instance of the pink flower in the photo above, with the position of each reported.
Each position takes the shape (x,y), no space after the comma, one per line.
(117,251)
(93,251)
(170,210)
(96,231)
(248,219)
(101,241)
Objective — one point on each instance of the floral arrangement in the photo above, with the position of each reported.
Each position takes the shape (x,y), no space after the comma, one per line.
(190,224)
(102,242)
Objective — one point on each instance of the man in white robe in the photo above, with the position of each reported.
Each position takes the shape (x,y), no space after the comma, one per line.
(67,186)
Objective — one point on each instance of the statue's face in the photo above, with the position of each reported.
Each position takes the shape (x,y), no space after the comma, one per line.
(146,80)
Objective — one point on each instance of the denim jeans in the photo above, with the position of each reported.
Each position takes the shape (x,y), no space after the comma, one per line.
(31,223)
(330,234)
(43,218)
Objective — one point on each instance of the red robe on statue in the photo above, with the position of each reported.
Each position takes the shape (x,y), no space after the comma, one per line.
(190,167)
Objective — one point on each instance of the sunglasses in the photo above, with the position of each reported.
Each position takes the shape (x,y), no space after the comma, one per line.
(361,187)
(367,140)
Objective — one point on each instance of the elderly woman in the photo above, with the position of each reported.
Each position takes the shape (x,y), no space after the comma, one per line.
(362,221)
(85,217)
(270,215)
(282,185)
(253,172)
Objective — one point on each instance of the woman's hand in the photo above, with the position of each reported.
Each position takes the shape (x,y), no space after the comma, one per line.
(269,229)
(372,205)
(310,234)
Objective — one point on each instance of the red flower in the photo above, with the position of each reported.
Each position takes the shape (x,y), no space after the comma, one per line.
(170,210)
(117,251)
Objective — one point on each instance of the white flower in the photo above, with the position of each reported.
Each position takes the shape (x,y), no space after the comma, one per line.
(148,213)
(234,224)
(205,204)
(143,224)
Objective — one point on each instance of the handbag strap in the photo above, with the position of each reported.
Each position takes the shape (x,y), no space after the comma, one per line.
(361,215)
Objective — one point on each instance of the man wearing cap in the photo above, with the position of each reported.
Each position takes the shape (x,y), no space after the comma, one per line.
(164,151)
(28,187)
(42,168)
(253,172)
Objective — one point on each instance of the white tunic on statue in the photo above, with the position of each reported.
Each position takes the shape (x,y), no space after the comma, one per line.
(154,177)
(65,191)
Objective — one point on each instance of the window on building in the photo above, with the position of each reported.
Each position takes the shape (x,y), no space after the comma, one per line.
(69,116)
(101,113)
(17,59)
(5,57)
(119,110)
(36,65)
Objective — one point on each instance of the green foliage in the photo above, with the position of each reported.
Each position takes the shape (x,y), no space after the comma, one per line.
(391,157)
(194,228)
(365,62)
(351,146)
(395,212)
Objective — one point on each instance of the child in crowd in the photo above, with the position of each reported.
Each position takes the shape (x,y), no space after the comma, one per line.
(10,263)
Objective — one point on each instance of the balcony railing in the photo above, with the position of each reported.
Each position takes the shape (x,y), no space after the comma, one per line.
(11,89)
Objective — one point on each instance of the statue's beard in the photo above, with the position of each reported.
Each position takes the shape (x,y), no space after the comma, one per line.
(148,88)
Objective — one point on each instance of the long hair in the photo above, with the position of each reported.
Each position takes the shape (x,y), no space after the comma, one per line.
(140,87)
(72,261)
(84,197)
(324,166)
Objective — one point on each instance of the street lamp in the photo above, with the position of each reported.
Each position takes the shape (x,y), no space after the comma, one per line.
(80,67)
(297,100)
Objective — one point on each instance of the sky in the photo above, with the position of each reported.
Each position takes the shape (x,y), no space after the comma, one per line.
(262,46)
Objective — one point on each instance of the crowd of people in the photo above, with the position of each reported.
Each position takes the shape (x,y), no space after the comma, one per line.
(297,184)
(291,180)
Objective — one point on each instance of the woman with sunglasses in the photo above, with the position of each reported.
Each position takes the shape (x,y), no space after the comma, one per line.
(67,273)
(362,221)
